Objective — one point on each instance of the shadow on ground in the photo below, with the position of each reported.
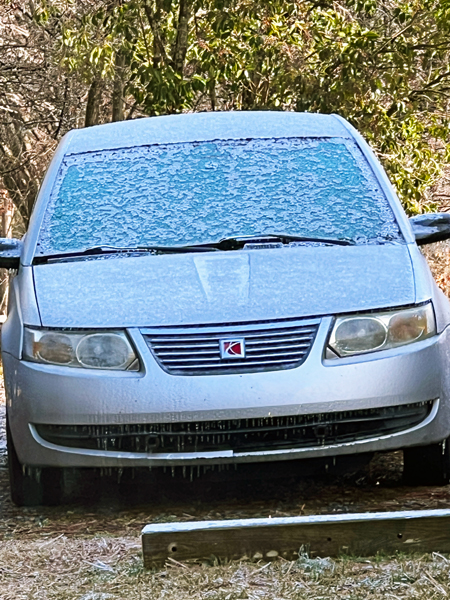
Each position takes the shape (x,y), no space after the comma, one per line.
(110,503)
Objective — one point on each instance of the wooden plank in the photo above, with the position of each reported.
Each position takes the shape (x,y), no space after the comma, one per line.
(360,534)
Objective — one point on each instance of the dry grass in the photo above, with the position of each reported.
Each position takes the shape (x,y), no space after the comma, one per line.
(106,569)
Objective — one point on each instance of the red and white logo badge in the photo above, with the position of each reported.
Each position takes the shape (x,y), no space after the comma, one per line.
(232,348)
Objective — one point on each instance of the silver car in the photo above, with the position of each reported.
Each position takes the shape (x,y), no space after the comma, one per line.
(196,291)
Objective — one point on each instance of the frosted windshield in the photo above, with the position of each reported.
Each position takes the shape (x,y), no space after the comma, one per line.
(193,193)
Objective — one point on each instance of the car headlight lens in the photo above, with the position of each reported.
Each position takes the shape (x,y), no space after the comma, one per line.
(359,334)
(90,350)
(103,351)
(55,348)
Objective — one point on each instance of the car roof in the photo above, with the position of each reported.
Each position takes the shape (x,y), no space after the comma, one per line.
(199,127)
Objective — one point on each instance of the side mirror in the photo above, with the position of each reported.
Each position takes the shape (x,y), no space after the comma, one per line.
(10,250)
(431,227)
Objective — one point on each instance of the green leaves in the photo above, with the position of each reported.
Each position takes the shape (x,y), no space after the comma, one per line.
(382,64)
(387,73)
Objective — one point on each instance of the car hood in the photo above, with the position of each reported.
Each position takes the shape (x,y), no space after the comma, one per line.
(223,287)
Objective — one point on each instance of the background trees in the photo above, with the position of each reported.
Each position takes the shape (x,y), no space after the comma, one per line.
(383,64)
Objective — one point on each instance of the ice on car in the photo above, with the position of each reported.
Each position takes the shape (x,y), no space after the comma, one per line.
(221,289)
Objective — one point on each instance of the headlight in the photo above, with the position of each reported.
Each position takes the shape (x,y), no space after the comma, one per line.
(89,350)
(359,334)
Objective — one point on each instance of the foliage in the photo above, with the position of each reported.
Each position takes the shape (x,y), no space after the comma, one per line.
(34,106)
(382,64)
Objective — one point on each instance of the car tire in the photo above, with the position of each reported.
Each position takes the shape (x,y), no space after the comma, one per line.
(29,487)
(427,465)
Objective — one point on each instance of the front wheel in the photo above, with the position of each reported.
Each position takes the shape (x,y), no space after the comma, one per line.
(31,487)
(427,465)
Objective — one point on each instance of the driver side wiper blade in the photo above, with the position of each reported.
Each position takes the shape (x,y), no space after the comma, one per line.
(105,250)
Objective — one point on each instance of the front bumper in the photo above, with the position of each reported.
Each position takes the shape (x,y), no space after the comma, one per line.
(38,394)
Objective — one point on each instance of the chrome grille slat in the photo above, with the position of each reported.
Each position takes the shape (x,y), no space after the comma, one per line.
(270,334)
(297,349)
(252,348)
(274,354)
(184,346)
(248,359)
(216,336)
(218,362)
(268,342)
(188,339)
(188,353)
(245,365)
(249,343)
(196,350)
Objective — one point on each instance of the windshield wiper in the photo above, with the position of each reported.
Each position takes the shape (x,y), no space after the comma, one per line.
(234,243)
(97,251)
(229,243)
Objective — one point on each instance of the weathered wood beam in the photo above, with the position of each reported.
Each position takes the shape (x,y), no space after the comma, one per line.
(360,534)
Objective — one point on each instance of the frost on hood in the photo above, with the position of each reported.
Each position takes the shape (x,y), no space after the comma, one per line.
(200,192)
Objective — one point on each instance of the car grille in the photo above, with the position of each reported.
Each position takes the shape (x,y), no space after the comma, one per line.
(240,435)
(268,347)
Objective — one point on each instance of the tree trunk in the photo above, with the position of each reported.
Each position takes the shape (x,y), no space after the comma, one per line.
(154,20)
(117,99)
(18,172)
(212,94)
(92,108)
(7,213)
(180,49)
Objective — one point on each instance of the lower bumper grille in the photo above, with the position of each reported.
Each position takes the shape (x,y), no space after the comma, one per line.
(240,435)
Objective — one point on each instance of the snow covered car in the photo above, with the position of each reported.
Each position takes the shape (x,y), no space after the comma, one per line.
(213,289)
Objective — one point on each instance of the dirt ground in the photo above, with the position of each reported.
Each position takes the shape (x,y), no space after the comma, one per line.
(96,504)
